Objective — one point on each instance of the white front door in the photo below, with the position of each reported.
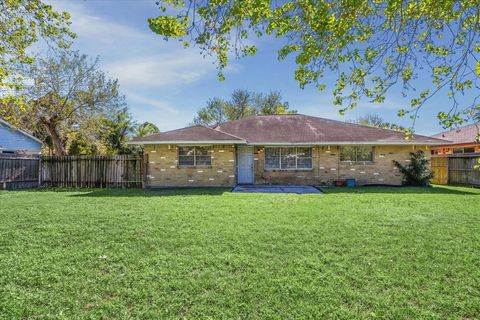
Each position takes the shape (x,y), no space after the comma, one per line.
(244,165)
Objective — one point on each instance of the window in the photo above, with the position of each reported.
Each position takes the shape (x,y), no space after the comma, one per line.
(289,158)
(464,150)
(356,154)
(194,156)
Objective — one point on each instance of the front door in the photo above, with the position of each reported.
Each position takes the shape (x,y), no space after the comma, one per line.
(245,165)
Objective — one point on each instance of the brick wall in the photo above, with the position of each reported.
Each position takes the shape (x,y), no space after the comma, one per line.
(163,169)
(327,167)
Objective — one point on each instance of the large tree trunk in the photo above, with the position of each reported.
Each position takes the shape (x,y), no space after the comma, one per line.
(56,140)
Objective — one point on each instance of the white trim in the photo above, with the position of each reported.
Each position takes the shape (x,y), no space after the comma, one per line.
(340,143)
(190,143)
(298,144)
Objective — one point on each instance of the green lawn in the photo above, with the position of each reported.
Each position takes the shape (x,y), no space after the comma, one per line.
(395,253)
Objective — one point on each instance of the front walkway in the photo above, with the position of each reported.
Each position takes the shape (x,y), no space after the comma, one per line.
(276,189)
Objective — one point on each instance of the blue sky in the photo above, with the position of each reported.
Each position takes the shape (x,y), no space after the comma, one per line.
(166,84)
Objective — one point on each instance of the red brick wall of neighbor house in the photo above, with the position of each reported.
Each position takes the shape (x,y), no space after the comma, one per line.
(163,170)
(327,167)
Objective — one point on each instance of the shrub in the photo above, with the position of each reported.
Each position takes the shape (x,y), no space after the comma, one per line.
(417,172)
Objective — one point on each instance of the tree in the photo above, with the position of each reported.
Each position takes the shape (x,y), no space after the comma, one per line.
(243,103)
(417,172)
(68,94)
(373,46)
(272,103)
(116,131)
(375,120)
(23,23)
(213,114)
(146,129)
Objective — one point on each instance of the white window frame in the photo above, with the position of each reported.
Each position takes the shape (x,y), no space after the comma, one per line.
(356,161)
(194,156)
(280,158)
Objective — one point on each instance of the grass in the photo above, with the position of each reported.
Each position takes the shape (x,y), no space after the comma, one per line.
(392,253)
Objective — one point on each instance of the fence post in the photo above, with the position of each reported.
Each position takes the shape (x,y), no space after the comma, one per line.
(144,167)
(39,172)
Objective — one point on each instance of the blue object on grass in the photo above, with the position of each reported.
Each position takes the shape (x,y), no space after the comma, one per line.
(350,183)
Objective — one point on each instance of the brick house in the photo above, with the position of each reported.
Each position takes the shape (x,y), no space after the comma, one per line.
(464,140)
(278,149)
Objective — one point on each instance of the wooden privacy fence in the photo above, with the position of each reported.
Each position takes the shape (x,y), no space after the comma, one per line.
(124,171)
(19,171)
(461,171)
(456,170)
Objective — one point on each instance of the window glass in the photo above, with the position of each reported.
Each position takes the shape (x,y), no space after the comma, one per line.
(194,156)
(203,160)
(289,158)
(457,150)
(364,153)
(347,153)
(469,150)
(186,160)
(202,151)
(272,158)
(356,153)
(186,151)
(304,158)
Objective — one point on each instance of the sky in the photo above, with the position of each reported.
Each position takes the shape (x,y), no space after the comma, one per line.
(166,84)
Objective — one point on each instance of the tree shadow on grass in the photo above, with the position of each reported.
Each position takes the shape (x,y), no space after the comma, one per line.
(405,190)
(164,192)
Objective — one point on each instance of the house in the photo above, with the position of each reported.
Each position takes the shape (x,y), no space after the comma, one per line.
(278,149)
(13,140)
(464,141)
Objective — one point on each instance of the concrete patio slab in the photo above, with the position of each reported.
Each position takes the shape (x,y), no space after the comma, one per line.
(276,189)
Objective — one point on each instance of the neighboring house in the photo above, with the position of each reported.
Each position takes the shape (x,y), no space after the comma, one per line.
(464,140)
(13,140)
(278,149)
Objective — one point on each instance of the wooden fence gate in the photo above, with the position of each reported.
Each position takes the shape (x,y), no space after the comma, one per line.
(440,170)
(19,171)
(124,171)
(456,170)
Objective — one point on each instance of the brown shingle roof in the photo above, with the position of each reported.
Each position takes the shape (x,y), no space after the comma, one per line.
(286,129)
(466,134)
(300,128)
(190,134)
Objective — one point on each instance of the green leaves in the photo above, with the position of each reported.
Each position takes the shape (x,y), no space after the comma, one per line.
(373,46)
(22,23)
(168,26)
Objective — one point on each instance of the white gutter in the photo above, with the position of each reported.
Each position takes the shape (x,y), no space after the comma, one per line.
(322,143)
(188,142)
(347,143)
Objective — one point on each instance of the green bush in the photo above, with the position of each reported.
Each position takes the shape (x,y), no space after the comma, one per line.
(417,172)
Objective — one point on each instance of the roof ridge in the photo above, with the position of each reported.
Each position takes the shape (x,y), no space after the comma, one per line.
(225,133)
(163,132)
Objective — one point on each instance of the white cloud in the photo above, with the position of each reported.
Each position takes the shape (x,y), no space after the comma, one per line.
(157,104)
(137,57)
(160,70)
